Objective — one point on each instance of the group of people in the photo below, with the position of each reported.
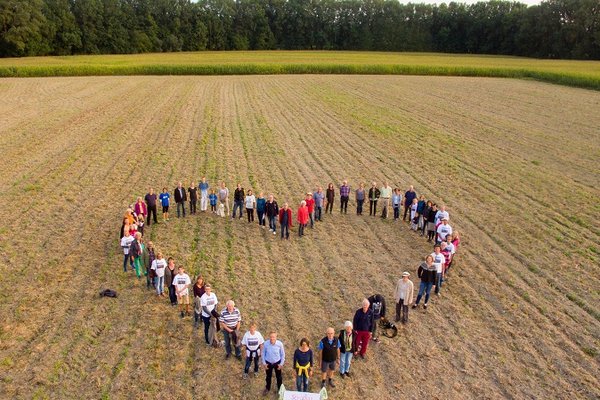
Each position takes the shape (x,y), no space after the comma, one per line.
(336,351)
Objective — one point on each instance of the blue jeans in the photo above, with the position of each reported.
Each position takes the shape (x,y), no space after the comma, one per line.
(125,258)
(236,205)
(228,338)
(272,225)
(345,361)
(438,282)
(302,383)
(261,217)
(424,287)
(319,213)
(285,229)
(182,206)
(249,359)
(160,284)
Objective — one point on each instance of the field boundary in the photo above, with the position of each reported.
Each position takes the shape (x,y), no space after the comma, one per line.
(563,78)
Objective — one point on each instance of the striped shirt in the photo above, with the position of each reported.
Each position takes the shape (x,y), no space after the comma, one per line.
(230,319)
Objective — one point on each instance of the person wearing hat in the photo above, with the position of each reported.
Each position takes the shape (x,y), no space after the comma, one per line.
(348,347)
(403,296)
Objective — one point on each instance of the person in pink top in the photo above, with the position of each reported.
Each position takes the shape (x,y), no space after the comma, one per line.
(140,208)
(302,217)
(310,204)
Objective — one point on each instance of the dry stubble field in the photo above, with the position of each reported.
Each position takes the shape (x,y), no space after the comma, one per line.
(516,162)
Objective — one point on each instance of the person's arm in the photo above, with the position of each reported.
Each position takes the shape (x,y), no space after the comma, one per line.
(338,352)
(263,352)
(282,356)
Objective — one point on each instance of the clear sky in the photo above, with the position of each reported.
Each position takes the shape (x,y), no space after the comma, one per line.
(529,2)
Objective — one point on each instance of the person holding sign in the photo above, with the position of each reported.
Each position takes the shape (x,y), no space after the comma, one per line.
(303,363)
(330,356)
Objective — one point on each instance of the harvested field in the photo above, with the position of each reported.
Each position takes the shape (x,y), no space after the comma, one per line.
(516,163)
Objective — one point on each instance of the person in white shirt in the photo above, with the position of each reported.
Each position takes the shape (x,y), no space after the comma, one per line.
(250,203)
(441,214)
(182,282)
(158,266)
(125,244)
(443,230)
(438,262)
(253,342)
(208,302)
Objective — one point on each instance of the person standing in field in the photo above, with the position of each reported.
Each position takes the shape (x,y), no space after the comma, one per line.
(193,192)
(159,266)
(414,219)
(165,199)
(253,342)
(170,273)
(396,203)
(182,282)
(150,200)
(224,197)
(230,321)
(329,197)
(431,223)
(199,286)
(329,347)
(377,305)
(374,195)
(426,211)
(212,197)
(344,197)
(303,365)
(386,195)
(285,221)
(126,241)
(403,296)
(250,203)
(443,230)
(363,323)
(198,291)
(273,360)
(208,302)
(135,252)
(409,196)
(238,200)
(203,185)
(261,207)
(140,208)
(420,210)
(302,218)
(272,211)
(427,274)
(180,199)
(151,256)
(310,204)
(347,338)
(438,261)
(319,198)
(441,214)
(360,198)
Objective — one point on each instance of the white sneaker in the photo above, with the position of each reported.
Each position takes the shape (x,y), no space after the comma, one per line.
(274,233)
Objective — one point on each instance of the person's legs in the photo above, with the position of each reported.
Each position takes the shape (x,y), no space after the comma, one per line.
(405,313)
(278,376)
(300,229)
(299,382)
(438,282)
(172,295)
(269,376)
(348,361)
(428,287)
(312,221)
(363,336)
(343,362)
(227,338)
(125,258)
(137,261)
(406,211)
(160,282)
(206,321)
(248,362)
(398,308)
(422,286)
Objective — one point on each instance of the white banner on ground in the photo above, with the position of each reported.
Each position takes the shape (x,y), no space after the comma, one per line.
(290,395)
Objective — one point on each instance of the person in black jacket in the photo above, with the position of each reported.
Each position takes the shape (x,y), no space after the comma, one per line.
(193,191)
(238,200)
(363,323)
(180,198)
(377,302)
(409,196)
(374,194)
(427,273)
(347,340)
(272,211)
(431,222)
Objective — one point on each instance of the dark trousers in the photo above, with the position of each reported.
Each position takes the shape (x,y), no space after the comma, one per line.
(193,206)
(285,228)
(396,212)
(300,230)
(424,288)
(249,358)
(250,212)
(372,207)
(127,259)
(430,235)
(227,337)
(206,321)
(172,295)
(151,212)
(270,368)
(359,206)
(406,211)
(182,206)
(328,206)
(237,204)
(402,311)
(319,213)
(261,217)
(424,226)
(344,204)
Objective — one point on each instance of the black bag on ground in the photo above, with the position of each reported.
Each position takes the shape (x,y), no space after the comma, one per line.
(108,293)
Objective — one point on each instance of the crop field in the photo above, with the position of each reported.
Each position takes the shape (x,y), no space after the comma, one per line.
(584,74)
(515,161)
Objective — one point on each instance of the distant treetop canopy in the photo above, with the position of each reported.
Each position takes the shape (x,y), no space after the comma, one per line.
(554,29)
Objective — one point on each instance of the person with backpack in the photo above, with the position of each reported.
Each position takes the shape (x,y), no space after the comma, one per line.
(329,347)
(377,305)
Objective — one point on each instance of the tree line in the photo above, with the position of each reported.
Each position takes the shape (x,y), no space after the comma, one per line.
(553,29)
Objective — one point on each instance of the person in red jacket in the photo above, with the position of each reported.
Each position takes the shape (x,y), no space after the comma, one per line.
(310,204)
(285,220)
(302,218)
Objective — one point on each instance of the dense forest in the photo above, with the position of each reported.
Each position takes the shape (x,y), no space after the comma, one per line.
(553,29)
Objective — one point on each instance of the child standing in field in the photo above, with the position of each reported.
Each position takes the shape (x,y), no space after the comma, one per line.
(213,201)
(164,201)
